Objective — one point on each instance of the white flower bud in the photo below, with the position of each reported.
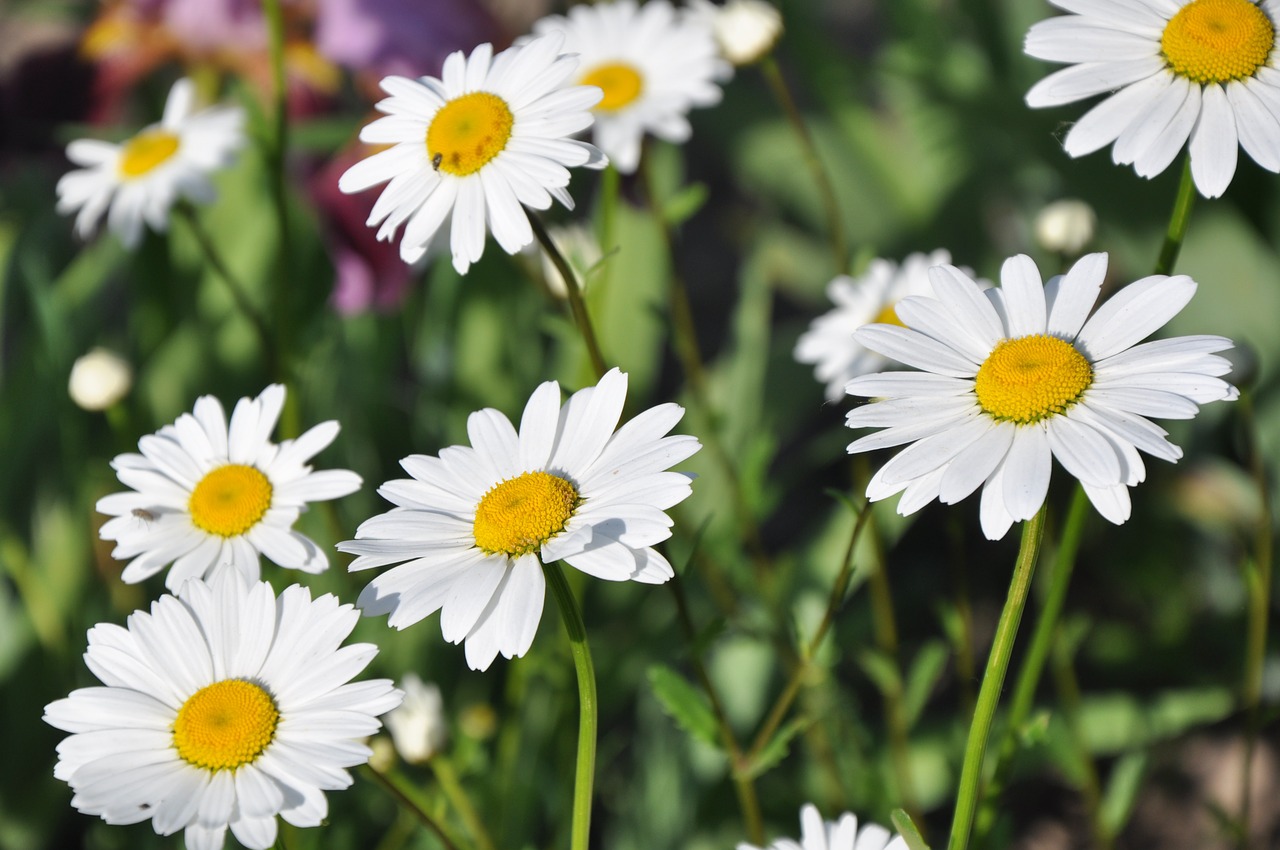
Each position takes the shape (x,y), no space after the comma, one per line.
(99,379)
(1065,226)
(745,30)
(579,247)
(418,725)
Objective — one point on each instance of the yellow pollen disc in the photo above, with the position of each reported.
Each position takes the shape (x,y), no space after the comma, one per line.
(621,82)
(889,316)
(145,151)
(230,500)
(1031,378)
(468,131)
(520,514)
(1214,41)
(225,725)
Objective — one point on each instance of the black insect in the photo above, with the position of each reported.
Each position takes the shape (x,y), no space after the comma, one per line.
(143,514)
(436,160)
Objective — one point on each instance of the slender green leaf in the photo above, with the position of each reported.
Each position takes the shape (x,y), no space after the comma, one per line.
(686,705)
(907,829)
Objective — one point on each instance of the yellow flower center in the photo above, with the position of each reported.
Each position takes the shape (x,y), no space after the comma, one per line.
(1214,41)
(145,151)
(520,514)
(621,82)
(230,500)
(468,131)
(225,725)
(889,316)
(1031,378)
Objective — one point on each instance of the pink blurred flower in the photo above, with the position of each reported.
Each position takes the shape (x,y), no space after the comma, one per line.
(405,37)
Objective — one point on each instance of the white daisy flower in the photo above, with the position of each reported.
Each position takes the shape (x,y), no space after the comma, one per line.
(1204,70)
(835,835)
(140,180)
(1018,375)
(205,495)
(653,64)
(222,707)
(870,297)
(418,726)
(488,136)
(471,530)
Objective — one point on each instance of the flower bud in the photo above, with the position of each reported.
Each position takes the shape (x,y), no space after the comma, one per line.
(99,379)
(1065,226)
(745,30)
(418,725)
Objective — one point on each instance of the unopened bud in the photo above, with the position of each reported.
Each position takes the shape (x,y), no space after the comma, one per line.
(1065,226)
(99,379)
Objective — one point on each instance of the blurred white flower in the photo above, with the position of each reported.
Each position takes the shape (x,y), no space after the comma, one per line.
(418,726)
(99,379)
(1065,226)
(745,30)
(140,180)
(843,834)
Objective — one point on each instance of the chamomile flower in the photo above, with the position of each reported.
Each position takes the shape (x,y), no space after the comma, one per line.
(1203,73)
(1016,376)
(843,834)
(653,65)
(471,147)
(139,181)
(223,706)
(870,297)
(472,528)
(205,495)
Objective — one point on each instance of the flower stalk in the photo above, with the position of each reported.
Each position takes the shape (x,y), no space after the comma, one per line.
(573,286)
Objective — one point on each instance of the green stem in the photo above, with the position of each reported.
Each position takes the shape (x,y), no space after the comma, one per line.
(685,341)
(743,786)
(238,292)
(1033,663)
(835,224)
(574,288)
(835,599)
(1177,221)
(1258,584)
(442,767)
(276,148)
(395,786)
(993,681)
(584,776)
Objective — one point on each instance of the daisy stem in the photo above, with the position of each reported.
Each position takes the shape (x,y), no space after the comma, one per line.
(576,304)
(743,784)
(975,750)
(1258,584)
(233,284)
(835,224)
(584,777)
(685,342)
(1042,640)
(1177,221)
(393,785)
(447,776)
(835,599)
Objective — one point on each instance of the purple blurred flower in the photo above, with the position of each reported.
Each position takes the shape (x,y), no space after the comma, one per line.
(405,37)
(368,274)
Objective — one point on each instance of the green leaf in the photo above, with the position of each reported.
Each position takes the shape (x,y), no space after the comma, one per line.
(777,748)
(907,829)
(682,205)
(1122,791)
(1034,730)
(881,670)
(921,678)
(685,704)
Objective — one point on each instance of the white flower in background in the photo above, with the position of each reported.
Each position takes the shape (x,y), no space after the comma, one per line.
(221,707)
(206,495)
(99,379)
(745,30)
(870,297)
(843,834)
(1065,226)
(653,65)
(473,146)
(1016,376)
(418,727)
(141,179)
(472,528)
(1202,73)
